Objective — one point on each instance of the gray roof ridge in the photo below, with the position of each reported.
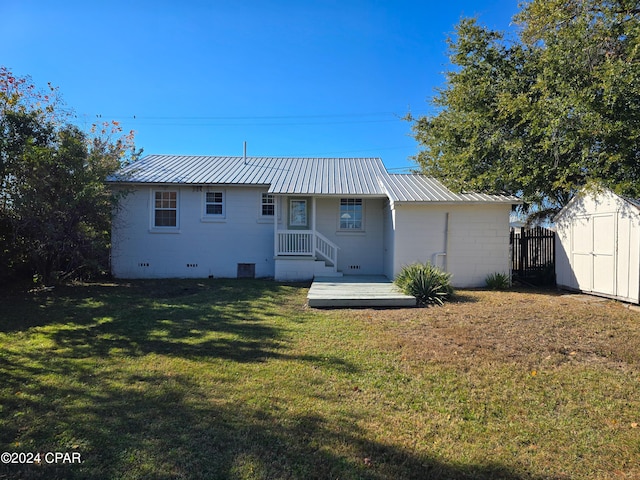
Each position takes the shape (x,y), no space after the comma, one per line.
(284,157)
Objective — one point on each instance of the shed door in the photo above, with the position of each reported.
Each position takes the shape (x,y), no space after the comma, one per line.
(593,253)
(604,254)
(581,250)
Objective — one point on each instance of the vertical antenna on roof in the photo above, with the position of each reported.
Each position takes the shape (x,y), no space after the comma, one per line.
(244,152)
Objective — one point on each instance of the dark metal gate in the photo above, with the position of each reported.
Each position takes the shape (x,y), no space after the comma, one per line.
(533,255)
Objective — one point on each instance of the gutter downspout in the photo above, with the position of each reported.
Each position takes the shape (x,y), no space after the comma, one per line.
(434,258)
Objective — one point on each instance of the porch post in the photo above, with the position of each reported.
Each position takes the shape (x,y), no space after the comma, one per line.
(276,200)
(313,226)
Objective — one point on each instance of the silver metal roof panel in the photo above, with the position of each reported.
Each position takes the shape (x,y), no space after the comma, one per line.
(297,176)
(420,188)
(303,176)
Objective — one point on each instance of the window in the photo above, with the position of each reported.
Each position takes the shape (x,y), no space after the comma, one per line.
(268,205)
(214,203)
(298,213)
(166,209)
(350,214)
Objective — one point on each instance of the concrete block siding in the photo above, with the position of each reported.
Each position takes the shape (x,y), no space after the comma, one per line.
(198,247)
(474,237)
(466,234)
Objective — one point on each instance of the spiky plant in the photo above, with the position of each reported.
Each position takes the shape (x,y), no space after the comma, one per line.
(429,284)
(498,281)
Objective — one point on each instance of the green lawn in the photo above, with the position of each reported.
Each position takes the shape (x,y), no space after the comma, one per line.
(238,379)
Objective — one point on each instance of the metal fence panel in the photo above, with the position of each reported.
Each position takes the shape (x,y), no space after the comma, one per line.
(533,255)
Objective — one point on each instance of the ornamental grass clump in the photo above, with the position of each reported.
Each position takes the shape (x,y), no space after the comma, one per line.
(498,281)
(429,284)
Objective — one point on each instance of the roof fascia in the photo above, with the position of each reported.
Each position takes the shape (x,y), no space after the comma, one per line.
(459,202)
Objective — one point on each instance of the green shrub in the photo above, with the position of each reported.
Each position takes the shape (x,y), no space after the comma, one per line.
(498,281)
(427,283)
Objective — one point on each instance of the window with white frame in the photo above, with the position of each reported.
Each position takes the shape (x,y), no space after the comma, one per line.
(268,205)
(350,214)
(214,204)
(165,209)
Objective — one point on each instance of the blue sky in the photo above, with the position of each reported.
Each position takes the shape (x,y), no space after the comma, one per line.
(291,78)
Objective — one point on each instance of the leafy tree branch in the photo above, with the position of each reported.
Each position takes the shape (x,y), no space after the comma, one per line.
(544,113)
(55,209)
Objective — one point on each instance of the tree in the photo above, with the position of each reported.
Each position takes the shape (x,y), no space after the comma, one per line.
(55,208)
(545,113)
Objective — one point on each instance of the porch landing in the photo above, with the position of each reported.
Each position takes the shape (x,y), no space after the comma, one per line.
(357,291)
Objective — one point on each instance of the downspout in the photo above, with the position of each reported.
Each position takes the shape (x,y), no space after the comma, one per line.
(446,242)
(434,258)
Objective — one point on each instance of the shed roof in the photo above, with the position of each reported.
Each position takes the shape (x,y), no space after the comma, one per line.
(594,191)
(633,201)
(420,188)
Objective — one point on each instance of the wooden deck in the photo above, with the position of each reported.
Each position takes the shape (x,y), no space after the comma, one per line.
(357,291)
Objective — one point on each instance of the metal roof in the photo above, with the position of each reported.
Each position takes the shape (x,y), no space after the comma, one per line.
(420,188)
(329,176)
(297,176)
(191,169)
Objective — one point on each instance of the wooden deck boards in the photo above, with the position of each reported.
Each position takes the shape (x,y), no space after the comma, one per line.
(357,291)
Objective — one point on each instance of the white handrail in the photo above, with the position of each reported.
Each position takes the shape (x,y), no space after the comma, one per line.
(306,242)
(327,248)
(294,242)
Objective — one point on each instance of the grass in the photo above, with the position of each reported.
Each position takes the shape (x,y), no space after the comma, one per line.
(239,380)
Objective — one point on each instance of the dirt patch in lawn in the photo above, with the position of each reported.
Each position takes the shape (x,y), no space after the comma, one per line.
(525,327)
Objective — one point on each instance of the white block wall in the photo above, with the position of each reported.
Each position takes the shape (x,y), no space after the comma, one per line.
(477,243)
(197,248)
(478,239)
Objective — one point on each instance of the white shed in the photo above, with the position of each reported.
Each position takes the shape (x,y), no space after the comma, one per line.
(598,245)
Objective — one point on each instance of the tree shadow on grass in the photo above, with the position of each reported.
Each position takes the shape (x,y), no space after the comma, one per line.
(218,319)
(152,428)
(79,394)
(83,303)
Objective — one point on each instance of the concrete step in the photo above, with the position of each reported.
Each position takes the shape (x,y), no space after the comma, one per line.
(321,269)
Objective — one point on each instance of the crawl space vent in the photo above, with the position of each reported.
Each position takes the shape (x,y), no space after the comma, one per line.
(246,270)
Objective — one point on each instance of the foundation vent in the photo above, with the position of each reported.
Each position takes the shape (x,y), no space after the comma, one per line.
(246,270)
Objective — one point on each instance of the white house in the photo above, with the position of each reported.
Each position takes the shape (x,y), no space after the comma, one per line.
(296,218)
(598,245)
